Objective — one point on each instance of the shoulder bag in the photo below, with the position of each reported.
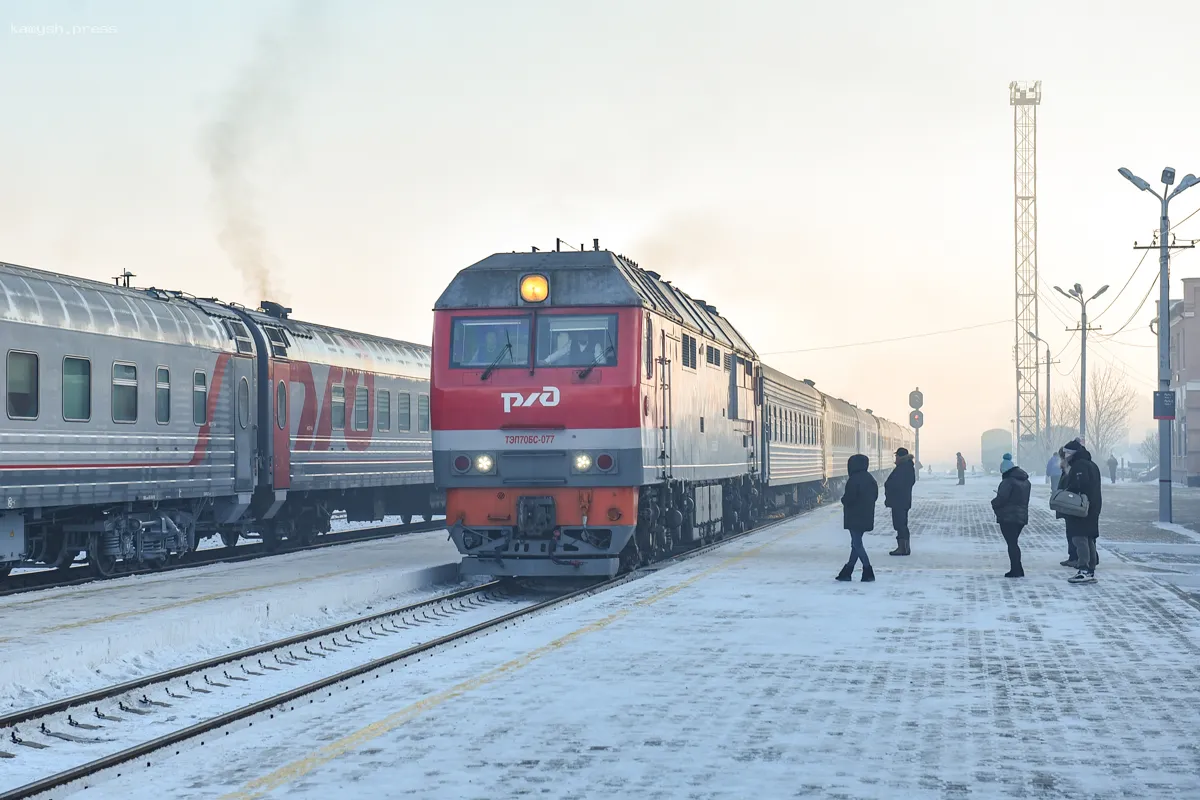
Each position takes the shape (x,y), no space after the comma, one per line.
(1069,503)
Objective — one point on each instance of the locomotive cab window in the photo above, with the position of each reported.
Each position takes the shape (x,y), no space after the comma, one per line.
(124,392)
(77,389)
(577,341)
(481,342)
(22,385)
(649,348)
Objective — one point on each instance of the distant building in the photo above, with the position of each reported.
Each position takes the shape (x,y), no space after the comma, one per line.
(1185,381)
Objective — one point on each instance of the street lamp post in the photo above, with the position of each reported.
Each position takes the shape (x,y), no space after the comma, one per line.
(1164,323)
(1076,293)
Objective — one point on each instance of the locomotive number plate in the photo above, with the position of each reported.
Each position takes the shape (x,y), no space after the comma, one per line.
(534,438)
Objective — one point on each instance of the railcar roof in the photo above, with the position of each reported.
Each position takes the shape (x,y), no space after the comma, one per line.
(36,297)
(587,278)
(324,344)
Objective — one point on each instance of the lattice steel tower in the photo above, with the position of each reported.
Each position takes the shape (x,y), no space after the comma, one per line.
(1025,98)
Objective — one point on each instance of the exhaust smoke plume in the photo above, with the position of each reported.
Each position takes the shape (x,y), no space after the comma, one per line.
(249,118)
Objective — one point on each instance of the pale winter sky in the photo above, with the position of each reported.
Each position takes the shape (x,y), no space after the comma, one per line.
(823,172)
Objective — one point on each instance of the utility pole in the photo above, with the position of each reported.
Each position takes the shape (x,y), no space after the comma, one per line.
(1076,294)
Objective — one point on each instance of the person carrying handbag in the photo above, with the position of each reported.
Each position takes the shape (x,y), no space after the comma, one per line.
(1083,479)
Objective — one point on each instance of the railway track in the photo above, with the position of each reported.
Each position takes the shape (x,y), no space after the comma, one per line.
(196,702)
(78,575)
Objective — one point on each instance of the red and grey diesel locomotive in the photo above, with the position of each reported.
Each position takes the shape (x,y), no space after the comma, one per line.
(138,421)
(589,416)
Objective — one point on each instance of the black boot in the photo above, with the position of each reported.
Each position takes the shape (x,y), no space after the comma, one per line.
(1015,572)
(899,551)
(868,575)
(847,573)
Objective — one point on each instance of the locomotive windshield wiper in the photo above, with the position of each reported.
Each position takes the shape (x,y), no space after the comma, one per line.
(506,349)
(583,373)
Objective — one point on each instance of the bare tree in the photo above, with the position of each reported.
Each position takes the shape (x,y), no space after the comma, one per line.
(1111,399)
(1148,449)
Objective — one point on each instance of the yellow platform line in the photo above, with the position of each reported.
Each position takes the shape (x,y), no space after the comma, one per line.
(261,786)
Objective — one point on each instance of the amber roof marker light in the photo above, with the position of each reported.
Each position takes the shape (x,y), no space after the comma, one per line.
(535,288)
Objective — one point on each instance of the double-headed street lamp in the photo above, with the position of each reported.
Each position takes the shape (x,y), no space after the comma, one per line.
(1164,325)
(1076,294)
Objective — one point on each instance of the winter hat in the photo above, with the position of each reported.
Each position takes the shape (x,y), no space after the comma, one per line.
(1073,445)
(902,452)
(1006,463)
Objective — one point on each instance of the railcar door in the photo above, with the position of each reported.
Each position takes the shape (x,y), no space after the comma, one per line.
(281,446)
(666,441)
(245,433)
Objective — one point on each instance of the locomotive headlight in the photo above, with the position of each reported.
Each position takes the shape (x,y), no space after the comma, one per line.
(484,463)
(583,462)
(534,288)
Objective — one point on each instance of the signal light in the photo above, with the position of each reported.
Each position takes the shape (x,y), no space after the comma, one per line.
(583,462)
(604,461)
(534,288)
(462,463)
(484,463)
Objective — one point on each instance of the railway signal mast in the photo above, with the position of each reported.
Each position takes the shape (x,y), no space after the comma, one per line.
(916,419)
(1025,97)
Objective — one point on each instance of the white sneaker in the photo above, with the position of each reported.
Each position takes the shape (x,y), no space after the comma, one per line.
(1081,577)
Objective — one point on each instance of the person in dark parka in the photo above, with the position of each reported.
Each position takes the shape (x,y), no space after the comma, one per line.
(1083,477)
(1112,467)
(1011,505)
(858,514)
(897,495)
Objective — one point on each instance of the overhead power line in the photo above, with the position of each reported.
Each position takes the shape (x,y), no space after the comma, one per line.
(887,341)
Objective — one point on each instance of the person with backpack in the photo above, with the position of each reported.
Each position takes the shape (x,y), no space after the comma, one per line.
(1011,505)
(858,514)
(897,495)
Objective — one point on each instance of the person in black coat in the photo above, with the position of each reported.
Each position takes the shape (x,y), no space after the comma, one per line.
(897,495)
(1083,477)
(1011,505)
(858,514)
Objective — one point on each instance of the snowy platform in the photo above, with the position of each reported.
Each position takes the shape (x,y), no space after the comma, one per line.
(58,642)
(750,673)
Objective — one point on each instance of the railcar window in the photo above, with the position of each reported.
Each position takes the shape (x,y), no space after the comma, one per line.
(362,401)
(124,392)
(243,403)
(162,395)
(339,408)
(423,413)
(281,405)
(383,410)
(577,341)
(22,385)
(403,411)
(479,342)
(77,389)
(200,398)
(712,355)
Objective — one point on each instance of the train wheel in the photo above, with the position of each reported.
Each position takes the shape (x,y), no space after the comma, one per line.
(104,566)
(426,517)
(406,519)
(229,538)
